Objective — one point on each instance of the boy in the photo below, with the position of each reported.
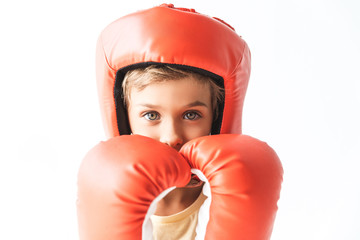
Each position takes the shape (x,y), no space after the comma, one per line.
(162,74)
(173,107)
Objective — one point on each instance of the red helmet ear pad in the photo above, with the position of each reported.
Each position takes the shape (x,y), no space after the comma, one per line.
(165,35)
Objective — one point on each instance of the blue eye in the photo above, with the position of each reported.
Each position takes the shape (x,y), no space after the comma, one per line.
(191,115)
(152,116)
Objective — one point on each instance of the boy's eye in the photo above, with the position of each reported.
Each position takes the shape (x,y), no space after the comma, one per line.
(191,115)
(152,116)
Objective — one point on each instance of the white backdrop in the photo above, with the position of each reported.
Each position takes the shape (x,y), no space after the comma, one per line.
(303,99)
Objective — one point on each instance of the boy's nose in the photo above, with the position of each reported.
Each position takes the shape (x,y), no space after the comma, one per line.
(171,136)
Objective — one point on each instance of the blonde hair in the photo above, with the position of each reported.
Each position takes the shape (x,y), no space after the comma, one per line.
(142,77)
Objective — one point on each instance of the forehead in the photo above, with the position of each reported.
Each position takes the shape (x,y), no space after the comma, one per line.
(176,92)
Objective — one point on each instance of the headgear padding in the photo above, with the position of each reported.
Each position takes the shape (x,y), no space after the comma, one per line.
(182,38)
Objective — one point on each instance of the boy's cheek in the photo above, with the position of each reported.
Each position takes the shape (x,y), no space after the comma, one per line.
(197,131)
(146,130)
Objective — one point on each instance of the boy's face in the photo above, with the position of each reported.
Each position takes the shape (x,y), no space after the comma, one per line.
(172,112)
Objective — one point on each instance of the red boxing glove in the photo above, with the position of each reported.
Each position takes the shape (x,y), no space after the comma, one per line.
(245,177)
(117,183)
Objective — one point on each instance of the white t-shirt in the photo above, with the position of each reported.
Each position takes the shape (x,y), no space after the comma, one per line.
(179,226)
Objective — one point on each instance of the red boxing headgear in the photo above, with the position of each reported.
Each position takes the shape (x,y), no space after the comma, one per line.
(177,37)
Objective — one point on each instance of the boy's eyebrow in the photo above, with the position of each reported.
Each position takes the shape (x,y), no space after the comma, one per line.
(197,103)
(148,105)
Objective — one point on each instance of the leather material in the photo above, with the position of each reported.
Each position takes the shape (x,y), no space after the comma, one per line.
(166,35)
(117,183)
(245,177)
